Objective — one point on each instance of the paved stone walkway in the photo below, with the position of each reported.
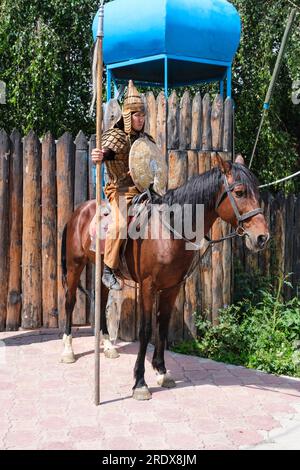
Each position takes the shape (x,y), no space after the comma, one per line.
(48,405)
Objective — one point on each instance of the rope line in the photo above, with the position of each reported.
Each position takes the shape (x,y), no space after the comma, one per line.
(294,5)
(281,180)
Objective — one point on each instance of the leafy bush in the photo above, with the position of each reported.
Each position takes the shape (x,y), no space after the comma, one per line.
(263,336)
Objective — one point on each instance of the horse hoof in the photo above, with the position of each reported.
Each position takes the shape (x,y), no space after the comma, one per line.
(142,393)
(67,359)
(111,353)
(166,381)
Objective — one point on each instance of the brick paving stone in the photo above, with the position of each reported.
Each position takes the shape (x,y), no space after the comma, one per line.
(19,439)
(245,437)
(120,442)
(183,441)
(205,425)
(56,446)
(79,433)
(266,423)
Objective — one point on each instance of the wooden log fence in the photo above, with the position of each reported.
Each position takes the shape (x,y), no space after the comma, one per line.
(42,183)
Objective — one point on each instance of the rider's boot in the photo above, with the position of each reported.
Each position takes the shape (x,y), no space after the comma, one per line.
(109,279)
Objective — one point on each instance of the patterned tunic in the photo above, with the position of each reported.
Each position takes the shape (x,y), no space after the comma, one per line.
(119,143)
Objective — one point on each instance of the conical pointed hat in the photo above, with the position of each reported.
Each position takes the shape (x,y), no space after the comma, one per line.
(133,103)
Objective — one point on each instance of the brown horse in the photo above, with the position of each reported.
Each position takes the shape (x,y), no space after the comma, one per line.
(228,191)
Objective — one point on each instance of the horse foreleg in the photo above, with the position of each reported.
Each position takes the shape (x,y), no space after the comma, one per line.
(166,304)
(140,389)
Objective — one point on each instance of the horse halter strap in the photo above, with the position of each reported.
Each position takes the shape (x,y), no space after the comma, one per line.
(240,231)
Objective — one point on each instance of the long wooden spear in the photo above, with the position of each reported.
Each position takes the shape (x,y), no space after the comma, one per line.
(99,119)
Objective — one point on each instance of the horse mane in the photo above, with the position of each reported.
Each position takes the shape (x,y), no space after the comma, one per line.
(204,188)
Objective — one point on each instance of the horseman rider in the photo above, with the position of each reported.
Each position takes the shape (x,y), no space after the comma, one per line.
(116,145)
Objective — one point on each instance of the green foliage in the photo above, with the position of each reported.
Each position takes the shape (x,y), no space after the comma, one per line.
(263,27)
(45,60)
(262,335)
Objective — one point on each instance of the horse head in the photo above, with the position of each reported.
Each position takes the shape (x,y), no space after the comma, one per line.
(238,203)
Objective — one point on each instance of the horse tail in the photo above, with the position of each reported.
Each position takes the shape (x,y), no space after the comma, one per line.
(64,257)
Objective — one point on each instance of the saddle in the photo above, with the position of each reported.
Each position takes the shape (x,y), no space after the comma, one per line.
(139,204)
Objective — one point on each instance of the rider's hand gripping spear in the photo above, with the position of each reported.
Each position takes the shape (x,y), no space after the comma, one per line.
(99,119)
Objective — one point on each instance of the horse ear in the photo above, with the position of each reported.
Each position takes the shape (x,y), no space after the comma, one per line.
(239,159)
(220,163)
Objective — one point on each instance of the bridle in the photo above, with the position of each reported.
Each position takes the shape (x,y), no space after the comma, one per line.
(240,230)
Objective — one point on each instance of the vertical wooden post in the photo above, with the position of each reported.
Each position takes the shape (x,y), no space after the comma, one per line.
(80,196)
(151,115)
(192,304)
(32,234)
(173,122)
(14,299)
(64,181)
(227,259)
(196,136)
(185,122)
(289,209)
(178,169)
(4,223)
(264,256)
(296,243)
(161,123)
(217,265)
(49,233)
(204,165)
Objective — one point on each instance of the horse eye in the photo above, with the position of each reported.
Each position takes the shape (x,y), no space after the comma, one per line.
(239,193)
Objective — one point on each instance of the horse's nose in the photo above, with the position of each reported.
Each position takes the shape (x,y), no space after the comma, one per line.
(262,241)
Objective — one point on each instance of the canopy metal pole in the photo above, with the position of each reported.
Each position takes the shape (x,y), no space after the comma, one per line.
(229,81)
(274,77)
(99,119)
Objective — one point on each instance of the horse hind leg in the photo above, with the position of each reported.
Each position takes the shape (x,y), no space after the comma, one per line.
(73,277)
(140,389)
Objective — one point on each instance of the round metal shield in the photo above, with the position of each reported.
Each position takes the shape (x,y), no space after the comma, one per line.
(148,166)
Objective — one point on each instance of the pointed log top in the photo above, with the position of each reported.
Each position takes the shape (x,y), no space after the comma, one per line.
(3,134)
(161,97)
(197,98)
(206,99)
(150,95)
(48,137)
(218,98)
(92,139)
(173,97)
(15,134)
(81,141)
(31,136)
(65,138)
(229,100)
(185,97)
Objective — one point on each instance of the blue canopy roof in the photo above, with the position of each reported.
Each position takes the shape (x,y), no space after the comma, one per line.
(198,38)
